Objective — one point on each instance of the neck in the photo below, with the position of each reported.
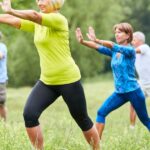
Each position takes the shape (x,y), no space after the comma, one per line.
(124,42)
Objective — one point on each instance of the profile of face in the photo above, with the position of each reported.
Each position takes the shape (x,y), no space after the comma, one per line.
(135,42)
(121,37)
(48,6)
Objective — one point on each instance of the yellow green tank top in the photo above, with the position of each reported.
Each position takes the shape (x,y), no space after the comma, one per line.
(52,42)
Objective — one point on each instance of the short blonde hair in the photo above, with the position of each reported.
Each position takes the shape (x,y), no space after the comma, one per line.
(57,4)
(125,27)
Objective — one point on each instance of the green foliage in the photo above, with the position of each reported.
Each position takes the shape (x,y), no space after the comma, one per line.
(138,15)
(23,62)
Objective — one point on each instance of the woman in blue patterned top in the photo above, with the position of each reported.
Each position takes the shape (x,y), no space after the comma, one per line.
(122,63)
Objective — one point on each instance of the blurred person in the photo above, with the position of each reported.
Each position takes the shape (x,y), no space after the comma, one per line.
(3,78)
(123,57)
(142,67)
(60,76)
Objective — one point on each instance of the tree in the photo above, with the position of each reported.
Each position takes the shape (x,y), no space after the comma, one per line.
(138,15)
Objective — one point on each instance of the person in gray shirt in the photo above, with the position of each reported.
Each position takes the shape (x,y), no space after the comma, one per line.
(142,67)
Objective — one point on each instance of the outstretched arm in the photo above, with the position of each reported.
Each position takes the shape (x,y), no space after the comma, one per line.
(91,35)
(10,20)
(80,39)
(24,14)
(126,50)
(91,44)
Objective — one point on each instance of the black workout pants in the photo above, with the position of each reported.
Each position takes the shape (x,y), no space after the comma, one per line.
(44,95)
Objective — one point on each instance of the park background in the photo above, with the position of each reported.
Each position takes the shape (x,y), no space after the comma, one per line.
(60,131)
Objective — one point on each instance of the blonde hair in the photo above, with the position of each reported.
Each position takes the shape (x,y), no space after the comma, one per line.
(125,27)
(57,4)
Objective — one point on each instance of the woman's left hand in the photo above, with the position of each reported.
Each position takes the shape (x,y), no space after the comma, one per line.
(91,34)
(6,6)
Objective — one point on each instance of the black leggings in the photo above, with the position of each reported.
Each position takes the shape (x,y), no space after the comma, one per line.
(44,95)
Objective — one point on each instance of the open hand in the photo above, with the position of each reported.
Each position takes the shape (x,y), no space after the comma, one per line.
(6,6)
(91,34)
(79,35)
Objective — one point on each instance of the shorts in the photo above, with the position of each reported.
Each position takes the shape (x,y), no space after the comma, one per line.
(2,93)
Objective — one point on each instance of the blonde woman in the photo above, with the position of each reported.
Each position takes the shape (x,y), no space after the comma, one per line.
(60,76)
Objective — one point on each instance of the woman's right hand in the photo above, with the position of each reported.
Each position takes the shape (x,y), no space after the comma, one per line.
(79,35)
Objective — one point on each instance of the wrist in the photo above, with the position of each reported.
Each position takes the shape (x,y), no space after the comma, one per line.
(96,40)
(10,11)
(82,42)
(101,42)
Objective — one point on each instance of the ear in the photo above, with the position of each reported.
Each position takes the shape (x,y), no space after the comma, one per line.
(128,36)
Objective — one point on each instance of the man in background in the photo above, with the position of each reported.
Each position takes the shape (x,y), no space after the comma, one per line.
(142,65)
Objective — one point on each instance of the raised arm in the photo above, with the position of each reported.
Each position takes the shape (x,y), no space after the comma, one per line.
(126,50)
(10,20)
(91,44)
(91,35)
(24,14)
(80,39)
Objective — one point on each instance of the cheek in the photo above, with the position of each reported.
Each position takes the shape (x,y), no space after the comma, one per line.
(120,35)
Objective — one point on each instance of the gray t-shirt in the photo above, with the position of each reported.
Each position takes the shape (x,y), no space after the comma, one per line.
(142,64)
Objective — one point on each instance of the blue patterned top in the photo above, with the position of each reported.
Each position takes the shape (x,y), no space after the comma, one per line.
(123,67)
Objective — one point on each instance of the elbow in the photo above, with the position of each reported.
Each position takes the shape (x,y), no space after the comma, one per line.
(36,17)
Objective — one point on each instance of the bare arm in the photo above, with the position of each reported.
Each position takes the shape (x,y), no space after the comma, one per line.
(108,44)
(10,20)
(91,44)
(91,35)
(24,14)
(28,15)
(80,39)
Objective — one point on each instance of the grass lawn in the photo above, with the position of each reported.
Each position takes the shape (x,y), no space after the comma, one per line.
(60,130)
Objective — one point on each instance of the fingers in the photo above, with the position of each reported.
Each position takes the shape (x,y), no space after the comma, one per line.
(89,36)
(78,31)
(91,29)
(79,35)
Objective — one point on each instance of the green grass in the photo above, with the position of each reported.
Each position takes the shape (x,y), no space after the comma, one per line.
(60,130)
